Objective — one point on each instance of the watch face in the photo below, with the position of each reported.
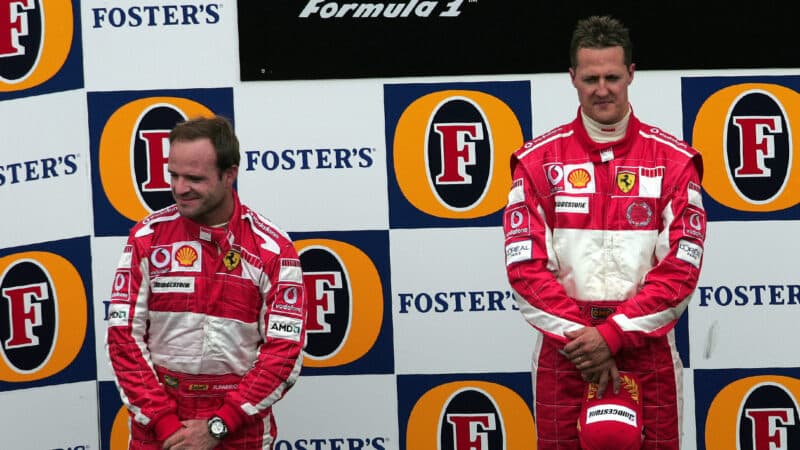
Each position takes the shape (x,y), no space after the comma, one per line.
(217,427)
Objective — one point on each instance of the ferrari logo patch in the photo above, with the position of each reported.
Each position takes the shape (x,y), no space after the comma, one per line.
(626,180)
(231,259)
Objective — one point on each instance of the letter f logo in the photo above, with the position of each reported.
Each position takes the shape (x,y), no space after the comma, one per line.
(13,24)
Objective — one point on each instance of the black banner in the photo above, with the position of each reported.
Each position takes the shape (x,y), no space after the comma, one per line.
(316,39)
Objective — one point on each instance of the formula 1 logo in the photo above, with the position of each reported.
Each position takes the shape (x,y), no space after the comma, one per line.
(43,315)
(755,413)
(345,297)
(130,147)
(470,415)
(36,38)
(450,148)
(745,133)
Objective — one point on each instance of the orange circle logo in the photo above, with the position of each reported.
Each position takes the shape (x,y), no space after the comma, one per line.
(451,150)
(120,430)
(345,302)
(755,413)
(470,415)
(745,134)
(34,58)
(133,153)
(46,306)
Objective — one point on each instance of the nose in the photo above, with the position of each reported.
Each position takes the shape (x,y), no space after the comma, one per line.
(602,88)
(179,185)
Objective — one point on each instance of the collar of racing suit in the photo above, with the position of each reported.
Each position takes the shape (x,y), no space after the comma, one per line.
(606,133)
(223,237)
(600,152)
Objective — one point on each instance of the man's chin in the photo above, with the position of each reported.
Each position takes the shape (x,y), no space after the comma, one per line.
(185,211)
(606,116)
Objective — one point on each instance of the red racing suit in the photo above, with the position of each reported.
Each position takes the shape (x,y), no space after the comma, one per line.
(607,235)
(203,322)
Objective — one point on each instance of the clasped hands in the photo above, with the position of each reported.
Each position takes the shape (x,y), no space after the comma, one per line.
(589,352)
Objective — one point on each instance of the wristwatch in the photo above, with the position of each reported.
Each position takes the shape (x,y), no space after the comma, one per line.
(217,428)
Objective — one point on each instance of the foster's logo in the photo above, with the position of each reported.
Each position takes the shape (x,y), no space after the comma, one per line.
(745,132)
(43,315)
(132,148)
(755,413)
(450,151)
(35,41)
(345,302)
(470,415)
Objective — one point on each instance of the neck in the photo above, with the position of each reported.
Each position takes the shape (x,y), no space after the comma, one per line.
(602,133)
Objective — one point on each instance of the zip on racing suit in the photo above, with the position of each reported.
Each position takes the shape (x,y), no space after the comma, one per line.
(206,322)
(607,235)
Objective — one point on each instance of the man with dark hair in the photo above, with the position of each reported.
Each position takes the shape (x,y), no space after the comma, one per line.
(604,241)
(207,309)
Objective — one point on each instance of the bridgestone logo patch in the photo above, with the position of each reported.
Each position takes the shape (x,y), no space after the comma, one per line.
(173,284)
(615,413)
(565,204)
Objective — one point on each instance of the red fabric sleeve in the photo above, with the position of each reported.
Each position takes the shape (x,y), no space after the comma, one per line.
(529,266)
(126,345)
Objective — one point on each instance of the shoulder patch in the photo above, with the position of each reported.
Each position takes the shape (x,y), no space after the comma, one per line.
(552,135)
(291,271)
(167,214)
(650,132)
(266,230)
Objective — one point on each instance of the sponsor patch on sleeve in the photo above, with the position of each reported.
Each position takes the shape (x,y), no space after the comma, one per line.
(519,251)
(690,252)
(121,289)
(694,223)
(125,258)
(693,192)
(290,271)
(517,221)
(289,297)
(283,327)
(517,192)
(118,314)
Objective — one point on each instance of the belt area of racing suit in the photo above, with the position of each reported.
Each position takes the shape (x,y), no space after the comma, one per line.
(197,396)
(596,312)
